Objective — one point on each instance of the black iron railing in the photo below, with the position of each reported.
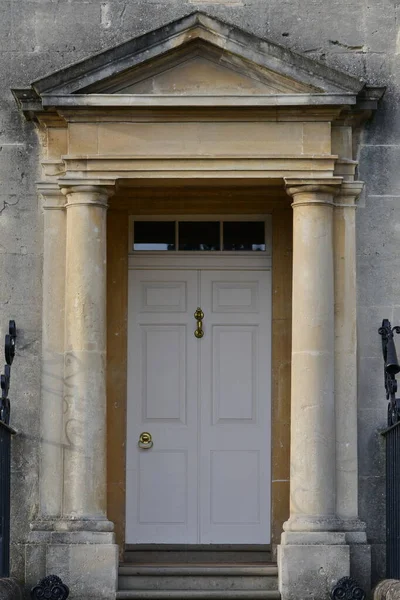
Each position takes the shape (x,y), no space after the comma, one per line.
(6,432)
(392,438)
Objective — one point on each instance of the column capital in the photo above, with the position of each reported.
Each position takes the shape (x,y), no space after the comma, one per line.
(53,199)
(349,193)
(87,193)
(312,190)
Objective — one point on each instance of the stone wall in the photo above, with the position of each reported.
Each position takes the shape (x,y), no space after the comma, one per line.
(357,36)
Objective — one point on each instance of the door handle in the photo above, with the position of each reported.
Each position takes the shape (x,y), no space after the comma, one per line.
(199,316)
(145,441)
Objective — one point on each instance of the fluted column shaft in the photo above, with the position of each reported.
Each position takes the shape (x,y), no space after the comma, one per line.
(85,353)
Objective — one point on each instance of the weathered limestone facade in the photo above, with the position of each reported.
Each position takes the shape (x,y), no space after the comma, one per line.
(53,261)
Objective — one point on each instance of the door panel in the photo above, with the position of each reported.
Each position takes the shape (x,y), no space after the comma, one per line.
(234,369)
(163,369)
(235,407)
(206,403)
(162,481)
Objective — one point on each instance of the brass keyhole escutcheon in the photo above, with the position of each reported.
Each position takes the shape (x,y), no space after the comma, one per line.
(145,441)
(199,316)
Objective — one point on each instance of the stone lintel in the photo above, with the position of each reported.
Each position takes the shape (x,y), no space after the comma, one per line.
(104,170)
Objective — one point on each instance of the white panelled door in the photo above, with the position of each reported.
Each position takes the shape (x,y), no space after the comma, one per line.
(206,404)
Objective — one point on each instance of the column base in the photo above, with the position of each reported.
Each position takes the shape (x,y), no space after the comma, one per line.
(311,563)
(85,560)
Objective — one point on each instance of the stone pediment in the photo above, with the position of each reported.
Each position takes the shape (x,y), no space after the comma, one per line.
(194,61)
(201,68)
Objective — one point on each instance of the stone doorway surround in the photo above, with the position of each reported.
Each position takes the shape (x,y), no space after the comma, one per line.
(199,103)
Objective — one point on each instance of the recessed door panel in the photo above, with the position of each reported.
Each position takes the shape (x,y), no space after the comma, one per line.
(234,360)
(169,469)
(164,372)
(234,487)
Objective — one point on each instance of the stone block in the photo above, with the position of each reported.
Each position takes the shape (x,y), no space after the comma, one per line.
(182,139)
(89,570)
(369,342)
(378,562)
(371,390)
(6,25)
(41,27)
(382,218)
(360,565)
(378,169)
(35,564)
(311,571)
(371,446)
(380,16)
(375,280)
(307,25)
(19,274)
(372,493)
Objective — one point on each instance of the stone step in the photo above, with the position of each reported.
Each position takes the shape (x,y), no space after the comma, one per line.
(198,595)
(217,578)
(194,554)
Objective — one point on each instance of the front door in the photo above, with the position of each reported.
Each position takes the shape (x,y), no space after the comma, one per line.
(204,476)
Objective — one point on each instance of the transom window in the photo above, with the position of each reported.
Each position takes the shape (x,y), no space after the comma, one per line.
(199,236)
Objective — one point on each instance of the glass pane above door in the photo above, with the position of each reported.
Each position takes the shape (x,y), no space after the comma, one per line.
(154,235)
(244,235)
(199,235)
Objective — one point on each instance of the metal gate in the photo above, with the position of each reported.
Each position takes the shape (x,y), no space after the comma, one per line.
(392,438)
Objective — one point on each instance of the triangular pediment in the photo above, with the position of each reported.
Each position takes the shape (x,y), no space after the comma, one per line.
(200,68)
(193,58)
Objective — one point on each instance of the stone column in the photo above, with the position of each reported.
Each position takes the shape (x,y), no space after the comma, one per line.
(52,382)
(313,553)
(51,418)
(72,537)
(80,547)
(85,356)
(346,381)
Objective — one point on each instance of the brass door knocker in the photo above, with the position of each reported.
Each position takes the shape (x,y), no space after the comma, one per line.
(199,316)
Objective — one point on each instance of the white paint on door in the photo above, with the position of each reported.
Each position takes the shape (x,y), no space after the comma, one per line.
(206,403)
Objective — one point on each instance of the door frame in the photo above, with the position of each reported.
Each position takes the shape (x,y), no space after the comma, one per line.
(231,204)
